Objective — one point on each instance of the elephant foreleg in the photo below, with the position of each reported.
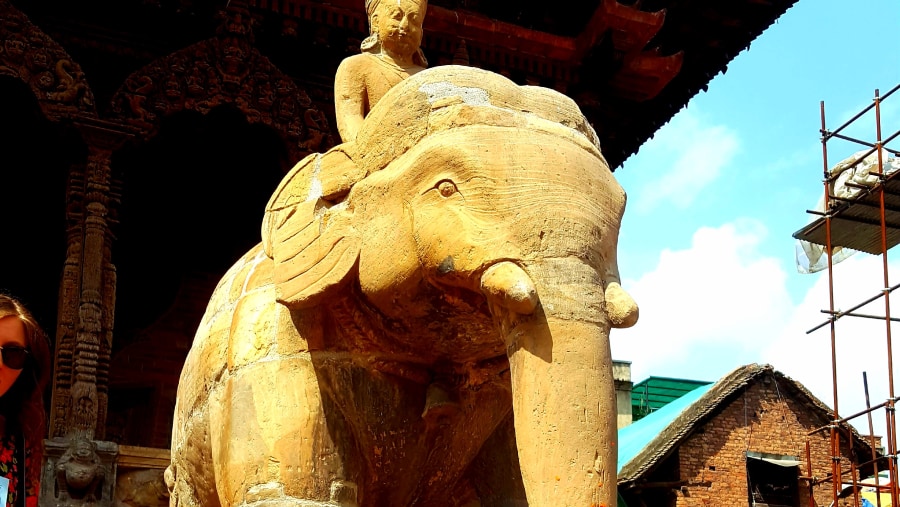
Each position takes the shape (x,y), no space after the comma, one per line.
(270,441)
(565,413)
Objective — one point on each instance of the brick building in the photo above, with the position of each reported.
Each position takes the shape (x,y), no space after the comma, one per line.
(739,441)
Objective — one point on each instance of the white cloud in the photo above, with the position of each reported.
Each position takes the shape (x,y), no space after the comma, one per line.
(707,309)
(861,344)
(693,153)
(721,304)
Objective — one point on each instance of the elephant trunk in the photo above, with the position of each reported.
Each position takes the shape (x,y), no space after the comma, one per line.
(564,403)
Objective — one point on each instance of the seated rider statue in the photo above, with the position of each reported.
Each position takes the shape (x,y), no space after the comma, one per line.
(390,54)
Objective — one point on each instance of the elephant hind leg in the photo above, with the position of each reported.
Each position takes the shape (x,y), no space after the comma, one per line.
(343,494)
(292,502)
(169,478)
(495,472)
(182,493)
(189,477)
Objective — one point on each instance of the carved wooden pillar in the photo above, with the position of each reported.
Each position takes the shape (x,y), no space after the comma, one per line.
(91,343)
(69,297)
(87,295)
(84,334)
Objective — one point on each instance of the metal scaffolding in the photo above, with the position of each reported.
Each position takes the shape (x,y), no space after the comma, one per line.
(867,221)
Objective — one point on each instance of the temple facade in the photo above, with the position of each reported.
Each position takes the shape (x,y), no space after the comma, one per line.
(145,137)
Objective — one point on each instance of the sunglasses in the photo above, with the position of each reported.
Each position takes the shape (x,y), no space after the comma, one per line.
(14,357)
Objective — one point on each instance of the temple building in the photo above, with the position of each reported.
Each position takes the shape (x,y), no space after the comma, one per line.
(143,139)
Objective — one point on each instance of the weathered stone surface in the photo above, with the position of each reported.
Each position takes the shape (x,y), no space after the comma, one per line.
(389,55)
(141,488)
(389,344)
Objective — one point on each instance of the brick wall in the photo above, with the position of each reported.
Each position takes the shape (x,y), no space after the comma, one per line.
(764,418)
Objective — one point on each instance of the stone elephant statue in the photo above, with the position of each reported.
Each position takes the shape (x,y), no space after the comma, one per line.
(426,322)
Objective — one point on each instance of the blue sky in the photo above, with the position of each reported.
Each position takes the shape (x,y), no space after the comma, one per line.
(714,197)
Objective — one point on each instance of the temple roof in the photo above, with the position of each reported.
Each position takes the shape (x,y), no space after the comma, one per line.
(630,67)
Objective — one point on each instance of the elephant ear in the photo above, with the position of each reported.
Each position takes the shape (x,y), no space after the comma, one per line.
(309,237)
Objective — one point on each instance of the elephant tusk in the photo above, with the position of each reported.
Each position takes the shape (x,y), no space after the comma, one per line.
(507,285)
(620,306)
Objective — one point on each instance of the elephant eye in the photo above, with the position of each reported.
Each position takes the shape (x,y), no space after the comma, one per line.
(446,188)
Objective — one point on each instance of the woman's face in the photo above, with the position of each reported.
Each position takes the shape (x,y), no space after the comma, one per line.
(12,334)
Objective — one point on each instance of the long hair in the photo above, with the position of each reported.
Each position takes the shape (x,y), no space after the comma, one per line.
(23,404)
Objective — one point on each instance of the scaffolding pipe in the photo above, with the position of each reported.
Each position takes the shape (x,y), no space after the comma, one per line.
(872,439)
(834,435)
(866,316)
(809,471)
(864,143)
(850,417)
(838,315)
(832,177)
(858,115)
(872,462)
(892,449)
(834,215)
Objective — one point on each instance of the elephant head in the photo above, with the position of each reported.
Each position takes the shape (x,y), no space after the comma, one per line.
(467,195)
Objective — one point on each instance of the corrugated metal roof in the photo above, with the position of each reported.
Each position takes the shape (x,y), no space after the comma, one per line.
(656,392)
(636,436)
(856,224)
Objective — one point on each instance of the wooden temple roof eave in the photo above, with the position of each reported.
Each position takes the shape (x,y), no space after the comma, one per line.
(475,27)
(631,28)
(627,87)
(551,60)
(644,75)
(690,81)
(440,21)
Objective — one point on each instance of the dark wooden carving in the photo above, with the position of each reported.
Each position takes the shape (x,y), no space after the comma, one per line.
(78,472)
(87,291)
(91,327)
(27,53)
(226,69)
(69,296)
(535,56)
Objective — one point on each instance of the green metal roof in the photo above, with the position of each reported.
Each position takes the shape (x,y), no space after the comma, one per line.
(636,436)
(654,393)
